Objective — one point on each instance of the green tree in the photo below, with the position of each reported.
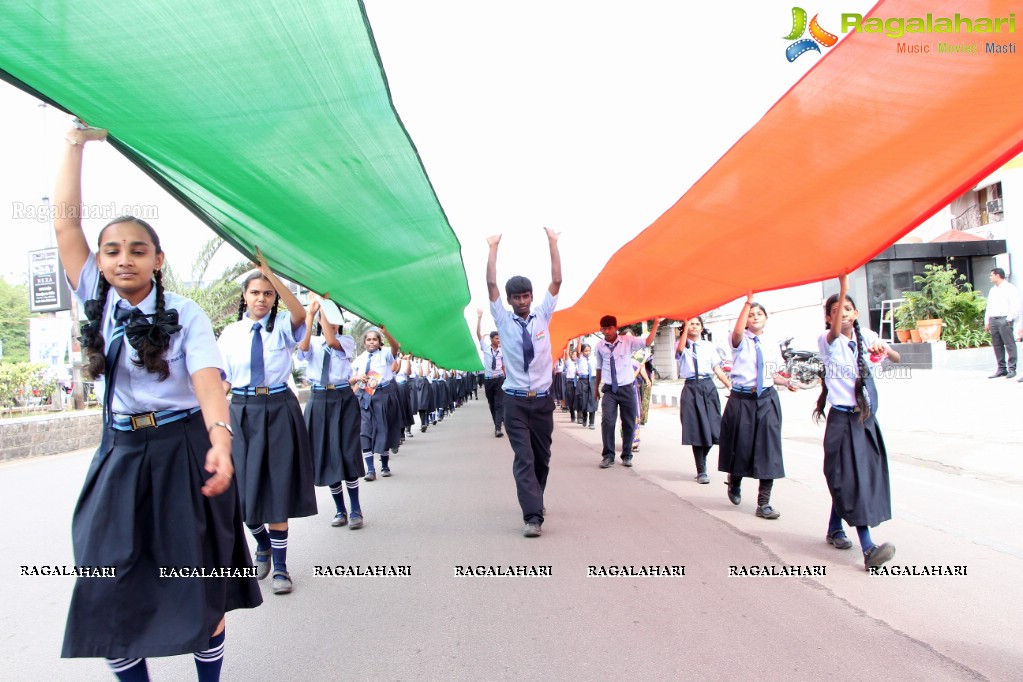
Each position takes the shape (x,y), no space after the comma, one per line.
(14,314)
(218,297)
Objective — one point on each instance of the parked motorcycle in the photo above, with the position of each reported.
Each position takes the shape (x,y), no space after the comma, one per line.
(804,367)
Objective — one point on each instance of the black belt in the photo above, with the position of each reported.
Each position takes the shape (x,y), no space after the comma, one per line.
(134,422)
(260,390)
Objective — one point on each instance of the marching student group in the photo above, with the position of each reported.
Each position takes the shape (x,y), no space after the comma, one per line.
(180,468)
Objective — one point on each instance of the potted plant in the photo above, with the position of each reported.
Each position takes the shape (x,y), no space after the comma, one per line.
(939,286)
(905,321)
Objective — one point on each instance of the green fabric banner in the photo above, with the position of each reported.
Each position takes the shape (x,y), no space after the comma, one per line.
(274,124)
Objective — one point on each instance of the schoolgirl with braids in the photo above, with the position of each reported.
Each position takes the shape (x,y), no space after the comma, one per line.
(855,460)
(379,421)
(271,449)
(699,405)
(159,492)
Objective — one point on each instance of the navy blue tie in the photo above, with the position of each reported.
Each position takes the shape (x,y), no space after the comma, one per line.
(257,370)
(121,316)
(760,365)
(325,372)
(614,370)
(493,359)
(527,345)
(696,371)
(868,383)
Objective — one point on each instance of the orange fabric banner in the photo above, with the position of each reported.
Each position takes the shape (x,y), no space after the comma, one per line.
(867,145)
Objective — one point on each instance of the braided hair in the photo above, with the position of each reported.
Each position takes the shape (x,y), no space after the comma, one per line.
(861,368)
(243,306)
(152,349)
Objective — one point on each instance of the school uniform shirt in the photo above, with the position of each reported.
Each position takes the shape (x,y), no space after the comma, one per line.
(192,348)
(235,345)
(538,377)
(586,367)
(707,359)
(570,370)
(620,354)
(339,369)
(744,361)
(493,360)
(380,362)
(840,367)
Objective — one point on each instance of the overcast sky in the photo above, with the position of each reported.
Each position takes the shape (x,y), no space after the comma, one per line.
(588,117)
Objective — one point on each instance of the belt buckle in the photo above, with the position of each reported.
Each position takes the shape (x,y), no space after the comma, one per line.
(329,387)
(530,394)
(143,421)
(262,390)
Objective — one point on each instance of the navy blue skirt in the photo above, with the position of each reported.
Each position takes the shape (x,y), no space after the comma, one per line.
(750,444)
(273,462)
(380,427)
(856,469)
(585,401)
(332,419)
(700,413)
(423,395)
(140,510)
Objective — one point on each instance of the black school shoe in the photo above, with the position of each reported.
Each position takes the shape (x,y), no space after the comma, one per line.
(839,540)
(626,461)
(606,462)
(262,564)
(734,494)
(340,519)
(281,583)
(532,530)
(878,555)
(768,512)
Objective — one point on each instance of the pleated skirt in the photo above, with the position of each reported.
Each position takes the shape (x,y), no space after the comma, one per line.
(273,460)
(141,509)
(700,413)
(856,469)
(333,420)
(750,443)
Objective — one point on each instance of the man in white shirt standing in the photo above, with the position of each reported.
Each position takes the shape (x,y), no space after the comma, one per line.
(1000,318)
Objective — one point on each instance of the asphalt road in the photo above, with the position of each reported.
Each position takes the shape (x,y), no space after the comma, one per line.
(956,443)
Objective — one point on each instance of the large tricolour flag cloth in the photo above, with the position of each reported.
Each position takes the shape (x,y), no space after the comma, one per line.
(867,145)
(272,122)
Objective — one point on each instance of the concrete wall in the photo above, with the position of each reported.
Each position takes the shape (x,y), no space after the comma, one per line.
(54,434)
(49,434)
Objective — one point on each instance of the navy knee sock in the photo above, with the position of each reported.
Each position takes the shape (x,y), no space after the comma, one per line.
(129,669)
(383,462)
(764,493)
(337,491)
(261,536)
(368,456)
(835,522)
(866,544)
(279,543)
(353,495)
(209,662)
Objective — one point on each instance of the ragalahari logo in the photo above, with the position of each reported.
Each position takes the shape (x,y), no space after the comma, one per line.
(817,35)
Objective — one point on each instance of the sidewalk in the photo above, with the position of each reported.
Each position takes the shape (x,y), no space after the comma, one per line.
(951,419)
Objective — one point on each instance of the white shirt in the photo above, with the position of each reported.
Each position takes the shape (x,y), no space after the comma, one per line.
(339,369)
(620,353)
(493,359)
(744,361)
(570,370)
(707,359)
(586,367)
(192,348)
(539,377)
(235,345)
(380,362)
(1003,301)
(840,366)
